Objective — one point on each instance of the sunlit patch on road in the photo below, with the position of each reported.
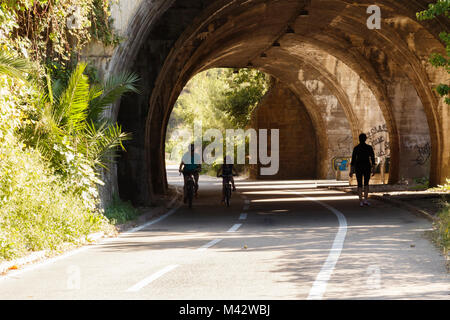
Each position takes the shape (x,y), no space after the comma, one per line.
(334,198)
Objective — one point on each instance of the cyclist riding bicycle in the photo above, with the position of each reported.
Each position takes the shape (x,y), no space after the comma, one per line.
(191,165)
(226,171)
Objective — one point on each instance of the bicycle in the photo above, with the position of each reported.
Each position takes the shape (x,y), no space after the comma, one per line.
(189,189)
(227,187)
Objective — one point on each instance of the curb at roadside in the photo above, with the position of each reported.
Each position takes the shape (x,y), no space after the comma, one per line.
(145,217)
(14,264)
(92,238)
(413,209)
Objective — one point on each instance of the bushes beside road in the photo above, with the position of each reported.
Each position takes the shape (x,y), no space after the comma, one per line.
(54,139)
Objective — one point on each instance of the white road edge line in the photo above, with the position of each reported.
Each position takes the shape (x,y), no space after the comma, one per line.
(243,216)
(145,225)
(320,284)
(235,227)
(141,284)
(209,244)
(15,273)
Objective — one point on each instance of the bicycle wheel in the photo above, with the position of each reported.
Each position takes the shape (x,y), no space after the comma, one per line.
(228,196)
(190,193)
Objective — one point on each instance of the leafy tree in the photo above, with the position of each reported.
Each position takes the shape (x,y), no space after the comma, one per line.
(440,8)
(246,87)
(219,98)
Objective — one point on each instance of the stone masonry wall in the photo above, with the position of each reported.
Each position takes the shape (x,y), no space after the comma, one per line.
(280,109)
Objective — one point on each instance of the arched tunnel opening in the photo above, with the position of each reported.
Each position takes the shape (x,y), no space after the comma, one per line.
(334,75)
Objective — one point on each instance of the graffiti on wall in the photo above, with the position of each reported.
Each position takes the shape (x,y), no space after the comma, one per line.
(344,145)
(341,163)
(377,137)
(423,153)
(377,129)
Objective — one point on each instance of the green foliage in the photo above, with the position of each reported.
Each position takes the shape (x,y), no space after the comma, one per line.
(68,128)
(119,211)
(442,225)
(14,67)
(443,188)
(53,138)
(246,87)
(53,30)
(440,8)
(420,184)
(101,23)
(37,210)
(219,98)
(104,95)
(53,135)
(443,228)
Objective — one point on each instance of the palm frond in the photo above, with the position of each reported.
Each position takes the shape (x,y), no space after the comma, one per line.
(14,66)
(72,109)
(57,89)
(113,89)
(95,92)
(94,95)
(102,142)
(70,117)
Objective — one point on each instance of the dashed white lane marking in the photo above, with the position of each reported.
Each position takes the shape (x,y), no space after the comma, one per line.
(235,227)
(246,204)
(320,284)
(209,244)
(141,284)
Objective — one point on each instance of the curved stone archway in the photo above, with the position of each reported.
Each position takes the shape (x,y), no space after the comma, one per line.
(327,109)
(173,40)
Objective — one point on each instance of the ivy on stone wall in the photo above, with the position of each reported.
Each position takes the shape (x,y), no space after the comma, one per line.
(440,8)
(101,23)
(55,30)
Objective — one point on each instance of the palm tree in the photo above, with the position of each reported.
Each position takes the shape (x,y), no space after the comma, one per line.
(71,115)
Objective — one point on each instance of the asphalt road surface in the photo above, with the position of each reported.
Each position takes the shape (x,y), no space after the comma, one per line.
(277,240)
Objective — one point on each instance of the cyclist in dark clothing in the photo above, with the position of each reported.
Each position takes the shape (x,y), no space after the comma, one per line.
(191,165)
(227,169)
(363,164)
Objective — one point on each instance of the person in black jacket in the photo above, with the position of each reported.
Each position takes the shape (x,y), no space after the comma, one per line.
(363,164)
(227,169)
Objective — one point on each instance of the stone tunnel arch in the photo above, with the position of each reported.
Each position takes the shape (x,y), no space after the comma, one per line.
(230,34)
